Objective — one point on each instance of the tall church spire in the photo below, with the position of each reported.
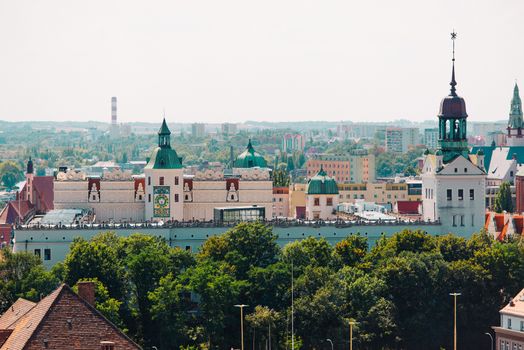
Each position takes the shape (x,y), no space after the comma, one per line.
(515,113)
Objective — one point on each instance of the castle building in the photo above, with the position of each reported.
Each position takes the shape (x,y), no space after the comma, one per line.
(165,192)
(453,180)
(515,123)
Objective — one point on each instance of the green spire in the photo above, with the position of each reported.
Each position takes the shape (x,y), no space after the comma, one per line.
(515,114)
(250,158)
(164,136)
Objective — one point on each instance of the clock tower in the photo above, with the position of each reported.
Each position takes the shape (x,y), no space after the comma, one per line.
(164,181)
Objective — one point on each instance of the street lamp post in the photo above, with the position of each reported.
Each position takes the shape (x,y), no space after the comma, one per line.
(352,322)
(331,342)
(241,306)
(491,337)
(454,295)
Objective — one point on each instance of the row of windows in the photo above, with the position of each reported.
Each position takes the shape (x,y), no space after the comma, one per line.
(330,165)
(521,324)
(461,220)
(316,202)
(460,194)
(161,181)
(504,345)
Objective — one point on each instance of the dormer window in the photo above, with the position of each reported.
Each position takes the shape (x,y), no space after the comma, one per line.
(107,345)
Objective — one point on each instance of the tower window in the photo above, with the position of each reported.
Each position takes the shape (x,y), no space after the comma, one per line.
(316,202)
(461,194)
(176,197)
(449,194)
(149,198)
(471,194)
(176,180)
(47,254)
(329,202)
(161,181)
(149,180)
(465,170)
(456,170)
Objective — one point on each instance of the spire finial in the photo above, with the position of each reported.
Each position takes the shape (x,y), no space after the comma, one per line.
(453,82)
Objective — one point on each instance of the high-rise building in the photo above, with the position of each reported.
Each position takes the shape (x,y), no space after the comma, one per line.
(113,111)
(453,180)
(229,129)
(293,142)
(431,138)
(400,140)
(515,123)
(198,130)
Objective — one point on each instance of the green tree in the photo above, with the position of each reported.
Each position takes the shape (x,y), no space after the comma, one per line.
(503,200)
(10,173)
(23,275)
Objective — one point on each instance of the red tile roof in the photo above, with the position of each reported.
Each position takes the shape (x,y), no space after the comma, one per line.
(15,209)
(44,187)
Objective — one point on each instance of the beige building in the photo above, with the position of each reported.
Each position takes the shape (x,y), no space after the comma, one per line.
(116,195)
(375,192)
(510,334)
(358,166)
(297,201)
(164,193)
(281,202)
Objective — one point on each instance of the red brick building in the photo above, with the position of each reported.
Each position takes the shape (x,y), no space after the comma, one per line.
(61,321)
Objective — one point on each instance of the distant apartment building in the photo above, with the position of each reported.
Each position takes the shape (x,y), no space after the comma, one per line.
(358,166)
(198,130)
(359,130)
(229,129)
(293,142)
(510,334)
(399,140)
(281,202)
(431,138)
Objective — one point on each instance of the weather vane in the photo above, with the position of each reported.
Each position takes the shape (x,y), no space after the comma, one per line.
(453,37)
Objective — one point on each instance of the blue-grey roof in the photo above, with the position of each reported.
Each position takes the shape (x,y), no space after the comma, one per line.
(488,152)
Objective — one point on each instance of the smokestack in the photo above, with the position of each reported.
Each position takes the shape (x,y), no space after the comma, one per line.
(113,110)
(86,291)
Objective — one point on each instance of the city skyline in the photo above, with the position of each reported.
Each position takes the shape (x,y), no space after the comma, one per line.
(237,61)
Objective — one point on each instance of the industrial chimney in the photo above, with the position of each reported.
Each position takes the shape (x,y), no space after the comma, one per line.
(113,111)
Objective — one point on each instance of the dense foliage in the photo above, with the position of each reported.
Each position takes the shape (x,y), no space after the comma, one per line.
(397,290)
(503,200)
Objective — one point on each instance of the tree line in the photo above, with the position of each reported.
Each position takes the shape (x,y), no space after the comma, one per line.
(397,290)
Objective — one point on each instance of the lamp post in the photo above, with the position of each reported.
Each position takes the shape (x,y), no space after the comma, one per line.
(352,322)
(455,295)
(491,337)
(241,306)
(331,342)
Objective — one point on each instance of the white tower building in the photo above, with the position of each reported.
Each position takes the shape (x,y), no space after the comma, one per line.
(453,180)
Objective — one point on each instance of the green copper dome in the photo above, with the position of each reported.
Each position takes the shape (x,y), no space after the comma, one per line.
(164,157)
(322,184)
(250,158)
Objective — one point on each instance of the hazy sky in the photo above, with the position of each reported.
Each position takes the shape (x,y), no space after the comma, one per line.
(273,60)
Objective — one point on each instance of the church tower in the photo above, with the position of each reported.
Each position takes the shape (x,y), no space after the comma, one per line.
(515,123)
(453,180)
(29,177)
(164,181)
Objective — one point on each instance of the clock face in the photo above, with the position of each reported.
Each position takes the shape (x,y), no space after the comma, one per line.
(162,200)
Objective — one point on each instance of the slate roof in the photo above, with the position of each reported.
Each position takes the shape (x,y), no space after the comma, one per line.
(488,152)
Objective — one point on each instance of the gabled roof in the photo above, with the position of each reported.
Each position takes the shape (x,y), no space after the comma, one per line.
(25,327)
(44,187)
(460,163)
(9,319)
(515,306)
(27,324)
(518,151)
(15,209)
